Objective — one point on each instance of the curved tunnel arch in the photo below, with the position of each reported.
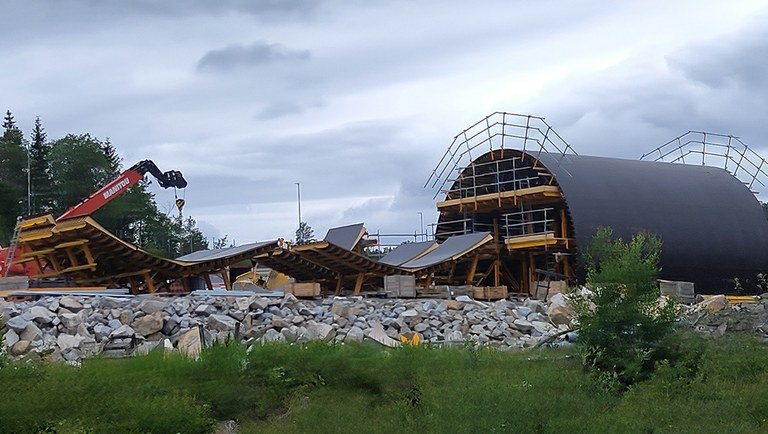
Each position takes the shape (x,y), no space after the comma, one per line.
(540,207)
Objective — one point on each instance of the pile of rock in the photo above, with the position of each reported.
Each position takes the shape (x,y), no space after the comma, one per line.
(714,316)
(70,328)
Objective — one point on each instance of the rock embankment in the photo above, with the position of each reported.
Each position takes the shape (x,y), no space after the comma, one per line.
(70,328)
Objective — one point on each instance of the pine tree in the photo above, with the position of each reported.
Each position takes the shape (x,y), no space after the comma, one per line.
(305,234)
(8,122)
(115,162)
(40,174)
(13,177)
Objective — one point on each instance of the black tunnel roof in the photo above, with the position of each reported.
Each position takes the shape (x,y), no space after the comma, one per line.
(712,227)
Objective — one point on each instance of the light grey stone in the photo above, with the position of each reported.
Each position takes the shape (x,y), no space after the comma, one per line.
(10,338)
(522,325)
(244,303)
(109,302)
(221,322)
(70,321)
(280,322)
(41,315)
(122,331)
(31,333)
(523,312)
(66,341)
(273,335)
(205,309)
(355,334)
(152,305)
(70,303)
(18,323)
(321,331)
(290,333)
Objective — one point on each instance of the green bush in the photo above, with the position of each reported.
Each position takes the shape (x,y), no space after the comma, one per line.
(622,324)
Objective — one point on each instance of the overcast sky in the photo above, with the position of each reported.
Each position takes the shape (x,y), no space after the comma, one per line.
(358,101)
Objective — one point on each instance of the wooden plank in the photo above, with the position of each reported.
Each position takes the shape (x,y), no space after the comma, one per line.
(543,190)
(150,284)
(359,283)
(71,244)
(472,269)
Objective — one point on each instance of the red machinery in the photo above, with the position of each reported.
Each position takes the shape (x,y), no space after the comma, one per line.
(123,182)
(103,196)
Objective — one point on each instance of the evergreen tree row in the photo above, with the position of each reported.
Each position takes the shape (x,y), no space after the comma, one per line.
(38,176)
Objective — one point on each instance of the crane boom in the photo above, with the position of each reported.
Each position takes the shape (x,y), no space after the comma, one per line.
(123,182)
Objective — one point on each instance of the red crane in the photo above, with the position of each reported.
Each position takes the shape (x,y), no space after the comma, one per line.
(92,203)
(123,182)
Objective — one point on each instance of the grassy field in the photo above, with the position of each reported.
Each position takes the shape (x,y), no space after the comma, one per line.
(721,386)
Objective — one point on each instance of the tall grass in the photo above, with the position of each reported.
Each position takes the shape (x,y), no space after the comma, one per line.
(719,387)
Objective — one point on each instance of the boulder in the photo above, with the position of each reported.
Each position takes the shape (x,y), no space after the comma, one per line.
(66,341)
(10,338)
(189,343)
(152,305)
(70,321)
(355,334)
(378,334)
(559,310)
(454,304)
(148,324)
(205,309)
(124,331)
(18,323)
(40,314)
(522,325)
(221,323)
(20,348)
(713,304)
(171,325)
(108,302)
(279,322)
(272,335)
(31,333)
(70,303)
(321,331)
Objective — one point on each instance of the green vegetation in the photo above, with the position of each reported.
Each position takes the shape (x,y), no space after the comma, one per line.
(721,386)
(622,327)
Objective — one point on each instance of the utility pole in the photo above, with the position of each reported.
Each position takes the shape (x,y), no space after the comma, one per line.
(421,219)
(298,199)
(29,180)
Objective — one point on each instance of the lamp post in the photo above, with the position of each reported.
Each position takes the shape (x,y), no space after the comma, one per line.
(29,181)
(421,220)
(298,199)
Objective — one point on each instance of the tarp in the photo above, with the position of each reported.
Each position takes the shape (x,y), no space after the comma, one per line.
(712,228)
(346,237)
(451,249)
(407,252)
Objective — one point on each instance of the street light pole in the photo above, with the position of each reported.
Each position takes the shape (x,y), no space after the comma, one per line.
(29,181)
(298,199)
(421,219)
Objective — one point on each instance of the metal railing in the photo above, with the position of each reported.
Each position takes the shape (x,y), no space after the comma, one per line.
(499,130)
(716,150)
(530,222)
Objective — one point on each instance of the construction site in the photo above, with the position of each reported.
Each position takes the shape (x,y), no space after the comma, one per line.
(516,204)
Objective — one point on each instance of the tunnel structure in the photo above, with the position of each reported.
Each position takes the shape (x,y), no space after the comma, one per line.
(513,176)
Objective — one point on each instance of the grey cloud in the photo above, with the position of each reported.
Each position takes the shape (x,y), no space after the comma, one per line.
(256,54)
(284,108)
(738,61)
(260,8)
